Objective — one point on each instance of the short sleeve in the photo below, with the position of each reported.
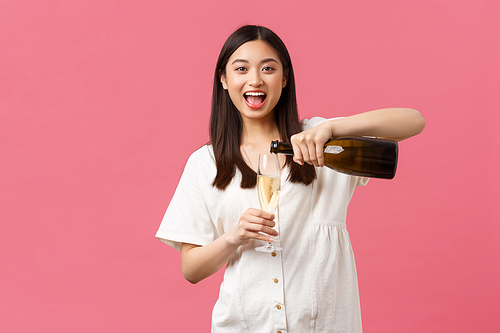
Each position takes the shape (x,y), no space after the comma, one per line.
(315,121)
(188,218)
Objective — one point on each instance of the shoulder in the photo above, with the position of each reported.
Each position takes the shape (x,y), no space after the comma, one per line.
(201,163)
(202,155)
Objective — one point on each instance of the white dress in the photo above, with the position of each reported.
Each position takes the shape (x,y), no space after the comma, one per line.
(311,286)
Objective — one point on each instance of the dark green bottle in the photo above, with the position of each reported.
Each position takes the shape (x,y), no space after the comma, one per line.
(359,156)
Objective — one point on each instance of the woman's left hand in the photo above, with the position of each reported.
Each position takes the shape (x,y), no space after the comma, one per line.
(308,146)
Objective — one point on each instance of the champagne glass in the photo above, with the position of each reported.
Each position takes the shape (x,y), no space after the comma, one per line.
(268,188)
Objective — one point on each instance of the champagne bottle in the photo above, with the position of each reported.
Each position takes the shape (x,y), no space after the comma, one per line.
(359,156)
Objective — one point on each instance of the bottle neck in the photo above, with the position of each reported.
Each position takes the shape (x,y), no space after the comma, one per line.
(281,148)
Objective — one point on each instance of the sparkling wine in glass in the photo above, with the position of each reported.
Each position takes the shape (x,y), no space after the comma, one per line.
(268,189)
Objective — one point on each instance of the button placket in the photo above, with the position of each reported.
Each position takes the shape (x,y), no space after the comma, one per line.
(277,292)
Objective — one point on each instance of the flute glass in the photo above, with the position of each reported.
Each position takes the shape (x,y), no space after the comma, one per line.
(268,189)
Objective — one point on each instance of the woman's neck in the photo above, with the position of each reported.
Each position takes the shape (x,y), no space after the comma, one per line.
(256,138)
(257,133)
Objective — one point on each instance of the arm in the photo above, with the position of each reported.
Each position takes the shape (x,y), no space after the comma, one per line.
(393,124)
(199,262)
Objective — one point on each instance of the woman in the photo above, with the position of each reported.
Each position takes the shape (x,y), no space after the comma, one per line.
(310,286)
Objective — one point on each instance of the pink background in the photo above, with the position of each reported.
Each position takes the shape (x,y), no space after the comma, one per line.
(103,101)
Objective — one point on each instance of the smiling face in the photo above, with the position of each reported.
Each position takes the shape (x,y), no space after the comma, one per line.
(254,79)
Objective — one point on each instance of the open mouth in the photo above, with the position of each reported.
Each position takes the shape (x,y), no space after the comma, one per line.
(255,99)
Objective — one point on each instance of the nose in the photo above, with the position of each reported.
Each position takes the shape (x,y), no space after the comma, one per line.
(255,79)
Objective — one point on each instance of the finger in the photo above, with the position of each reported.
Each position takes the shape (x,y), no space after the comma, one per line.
(246,234)
(311,147)
(260,213)
(304,153)
(303,143)
(260,221)
(267,231)
(297,153)
(320,155)
(250,229)
(264,238)
(255,224)
(317,156)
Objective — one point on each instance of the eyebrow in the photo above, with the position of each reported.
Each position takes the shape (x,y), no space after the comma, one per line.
(263,61)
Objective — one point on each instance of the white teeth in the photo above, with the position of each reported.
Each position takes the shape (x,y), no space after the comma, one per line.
(250,93)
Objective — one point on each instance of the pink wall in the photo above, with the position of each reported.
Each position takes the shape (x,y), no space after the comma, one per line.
(101,102)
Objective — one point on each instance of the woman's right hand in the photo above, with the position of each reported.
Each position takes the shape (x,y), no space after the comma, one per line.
(199,262)
(251,224)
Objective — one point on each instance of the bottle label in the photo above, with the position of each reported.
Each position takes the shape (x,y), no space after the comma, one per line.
(334,149)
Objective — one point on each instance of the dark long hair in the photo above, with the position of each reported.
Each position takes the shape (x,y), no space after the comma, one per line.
(226,123)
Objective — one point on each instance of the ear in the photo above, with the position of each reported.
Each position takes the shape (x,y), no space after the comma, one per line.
(223,80)
(284,82)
